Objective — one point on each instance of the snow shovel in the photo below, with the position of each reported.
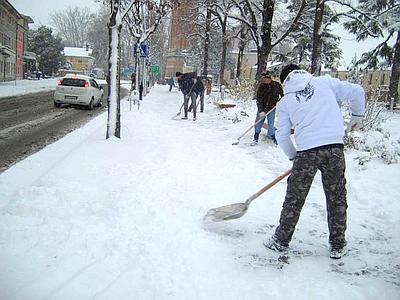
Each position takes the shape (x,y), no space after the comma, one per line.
(178,113)
(236,210)
(247,130)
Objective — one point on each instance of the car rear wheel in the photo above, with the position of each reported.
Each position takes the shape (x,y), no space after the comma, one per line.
(57,104)
(90,106)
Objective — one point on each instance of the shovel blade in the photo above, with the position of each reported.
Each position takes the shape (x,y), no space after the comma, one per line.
(235,143)
(227,212)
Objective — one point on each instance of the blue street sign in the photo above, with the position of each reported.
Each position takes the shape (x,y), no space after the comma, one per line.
(144,50)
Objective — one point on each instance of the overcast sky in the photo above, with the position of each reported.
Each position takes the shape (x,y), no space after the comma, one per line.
(39,11)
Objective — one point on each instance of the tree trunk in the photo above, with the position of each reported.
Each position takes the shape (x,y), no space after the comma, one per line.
(223,57)
(242,45)
(395,72)
(265,48)
(317,38)
(207,43)
(113,77)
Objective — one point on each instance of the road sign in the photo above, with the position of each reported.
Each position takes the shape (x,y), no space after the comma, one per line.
(144,50)
(155,70)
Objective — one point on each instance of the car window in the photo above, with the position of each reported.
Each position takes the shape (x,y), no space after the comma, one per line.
(94,83)
(73,82)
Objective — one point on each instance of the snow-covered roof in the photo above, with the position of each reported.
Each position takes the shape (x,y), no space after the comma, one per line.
(81,52)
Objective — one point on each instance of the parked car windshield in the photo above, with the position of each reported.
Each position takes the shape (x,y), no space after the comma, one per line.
(73,82)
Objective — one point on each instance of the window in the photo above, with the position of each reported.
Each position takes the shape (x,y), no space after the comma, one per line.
(94,83)
(383,78)
(73,82)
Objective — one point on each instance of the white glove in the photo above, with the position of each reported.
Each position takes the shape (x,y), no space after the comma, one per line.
(355,123)
(262,114)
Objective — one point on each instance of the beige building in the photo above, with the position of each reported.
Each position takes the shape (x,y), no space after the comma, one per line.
(79,60)
(375,83)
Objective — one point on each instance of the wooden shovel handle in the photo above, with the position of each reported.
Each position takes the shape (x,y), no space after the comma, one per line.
(259,120)
(268,186)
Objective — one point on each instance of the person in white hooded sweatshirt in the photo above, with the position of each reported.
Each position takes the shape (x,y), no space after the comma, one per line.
(311,106)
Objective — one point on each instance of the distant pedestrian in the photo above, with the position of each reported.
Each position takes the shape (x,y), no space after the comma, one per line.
(141,90)
(311,105)
(186,84)
(268,94)
(133,81)
(171,83)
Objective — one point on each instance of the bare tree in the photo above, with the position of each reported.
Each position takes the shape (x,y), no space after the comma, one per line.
(98,36)
(207,37)
(132,12)
(259,17)
(142,21)
(72,25)
(243,41)
(221,9)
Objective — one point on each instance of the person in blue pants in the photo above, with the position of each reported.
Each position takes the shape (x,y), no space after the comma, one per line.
(268,94)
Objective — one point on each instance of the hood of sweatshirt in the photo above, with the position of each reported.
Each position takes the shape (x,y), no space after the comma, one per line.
(296,81)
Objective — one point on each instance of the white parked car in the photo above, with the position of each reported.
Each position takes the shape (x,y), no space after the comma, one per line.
(78,90)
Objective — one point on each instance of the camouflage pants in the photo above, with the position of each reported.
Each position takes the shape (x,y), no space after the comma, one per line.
(330,161)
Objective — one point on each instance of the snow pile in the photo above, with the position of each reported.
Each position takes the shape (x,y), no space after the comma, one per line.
(378,143)
(22,87)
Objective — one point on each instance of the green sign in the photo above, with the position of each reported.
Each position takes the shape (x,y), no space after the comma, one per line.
(155,70)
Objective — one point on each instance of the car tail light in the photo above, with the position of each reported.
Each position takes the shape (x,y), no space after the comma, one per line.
(59,82)
(86,84)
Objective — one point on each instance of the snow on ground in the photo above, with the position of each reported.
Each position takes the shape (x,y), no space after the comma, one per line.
(21,87)
(89,218)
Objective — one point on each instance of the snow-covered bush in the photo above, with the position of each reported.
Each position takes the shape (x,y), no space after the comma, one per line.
(374,139)
(375,143)
(243,91)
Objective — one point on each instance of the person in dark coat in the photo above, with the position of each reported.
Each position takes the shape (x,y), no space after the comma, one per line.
(187,83)
(171,83)
(268,94)
(198,90)
(133,81)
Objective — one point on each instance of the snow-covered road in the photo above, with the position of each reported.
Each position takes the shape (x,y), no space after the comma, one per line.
(88,218)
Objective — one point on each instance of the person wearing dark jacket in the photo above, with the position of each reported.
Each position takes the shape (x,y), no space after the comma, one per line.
(198,90)
(190,88)
(268,94)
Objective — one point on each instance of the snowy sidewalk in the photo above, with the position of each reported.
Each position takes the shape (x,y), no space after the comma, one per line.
(122,218)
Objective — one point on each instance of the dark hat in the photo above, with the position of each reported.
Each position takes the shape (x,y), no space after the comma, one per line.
(286,70)
(177,74)
(265,74)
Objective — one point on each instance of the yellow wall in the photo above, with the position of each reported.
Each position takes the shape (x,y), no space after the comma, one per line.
(81,63)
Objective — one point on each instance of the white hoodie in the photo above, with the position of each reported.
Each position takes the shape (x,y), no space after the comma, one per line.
(311,105)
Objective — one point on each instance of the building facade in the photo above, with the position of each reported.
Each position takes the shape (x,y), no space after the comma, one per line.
(179,43)
(79,60)
(13,42)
